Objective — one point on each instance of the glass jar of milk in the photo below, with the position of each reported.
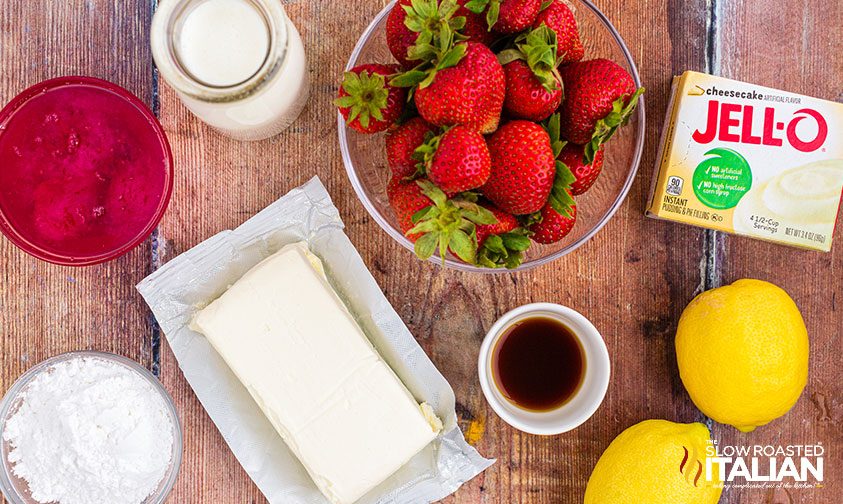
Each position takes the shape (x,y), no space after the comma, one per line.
(239,65)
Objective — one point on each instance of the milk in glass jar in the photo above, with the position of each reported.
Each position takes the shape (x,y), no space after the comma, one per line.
(238,65)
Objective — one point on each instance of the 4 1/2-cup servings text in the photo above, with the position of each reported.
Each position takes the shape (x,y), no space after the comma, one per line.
(494,123)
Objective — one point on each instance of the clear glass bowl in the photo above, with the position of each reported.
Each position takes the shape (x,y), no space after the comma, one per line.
(16,490)
(365,159)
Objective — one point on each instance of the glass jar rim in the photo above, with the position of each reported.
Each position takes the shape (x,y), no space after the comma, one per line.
(163,34)
(38,250)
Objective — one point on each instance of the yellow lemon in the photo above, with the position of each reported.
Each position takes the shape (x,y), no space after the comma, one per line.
(656,462)
(742,352)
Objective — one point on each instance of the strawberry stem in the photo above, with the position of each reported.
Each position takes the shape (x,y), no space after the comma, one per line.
(622,110)
(539,51)
(436,46)
(492,8)
(450,224)
(504,250)
(367,96)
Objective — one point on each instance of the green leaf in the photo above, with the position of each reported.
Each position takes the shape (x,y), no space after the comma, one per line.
(493,13)
(444,241)
(539,49)
(457,24)
(344,101)
(421,52)
(477,6)
(622,110)
(530,220)
(425,226)
(367,96)
(515,241)
(430,190)
(553,128)
(560,196)
(514,260)
(463,246)
(409,78)
(479,215)
(424,213)
(452,57)
(564,175)
(509,55)
(428,80)
(494,243)
(425,152)
(447,8)
(504,250)
(426,245)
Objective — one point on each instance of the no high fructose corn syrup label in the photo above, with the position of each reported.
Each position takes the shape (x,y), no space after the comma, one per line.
(750,160)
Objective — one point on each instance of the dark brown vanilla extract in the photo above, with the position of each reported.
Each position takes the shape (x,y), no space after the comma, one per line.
(538,364)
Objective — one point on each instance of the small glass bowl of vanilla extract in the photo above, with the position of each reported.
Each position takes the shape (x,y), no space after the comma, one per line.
(544,368)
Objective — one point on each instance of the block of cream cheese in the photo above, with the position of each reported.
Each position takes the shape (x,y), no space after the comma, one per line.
(292,342)
(750,160)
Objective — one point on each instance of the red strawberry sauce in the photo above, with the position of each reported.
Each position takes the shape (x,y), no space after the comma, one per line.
(85,171)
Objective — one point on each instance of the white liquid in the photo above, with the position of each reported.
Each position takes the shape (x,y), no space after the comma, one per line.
(223,42)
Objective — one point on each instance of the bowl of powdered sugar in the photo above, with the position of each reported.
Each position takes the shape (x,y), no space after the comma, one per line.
(88,428)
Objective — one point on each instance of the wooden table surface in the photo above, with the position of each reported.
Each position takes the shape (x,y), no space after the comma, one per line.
(632,279)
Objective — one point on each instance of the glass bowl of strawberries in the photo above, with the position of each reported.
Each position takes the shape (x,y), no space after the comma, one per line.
(491,135)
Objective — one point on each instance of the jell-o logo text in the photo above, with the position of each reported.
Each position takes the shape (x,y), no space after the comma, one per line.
(733,122)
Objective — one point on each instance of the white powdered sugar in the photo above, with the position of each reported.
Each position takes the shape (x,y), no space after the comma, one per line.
(90,431)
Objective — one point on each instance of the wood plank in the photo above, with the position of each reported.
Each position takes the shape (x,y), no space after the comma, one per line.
(798,52)
(632,279)
(46,309)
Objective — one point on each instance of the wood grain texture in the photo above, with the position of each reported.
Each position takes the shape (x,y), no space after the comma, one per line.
(797,53)
(46,309)
(632,279)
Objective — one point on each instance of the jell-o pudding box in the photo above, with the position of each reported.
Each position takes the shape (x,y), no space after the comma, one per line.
(750,160)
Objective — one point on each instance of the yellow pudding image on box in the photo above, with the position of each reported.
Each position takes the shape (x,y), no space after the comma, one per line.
(750,160)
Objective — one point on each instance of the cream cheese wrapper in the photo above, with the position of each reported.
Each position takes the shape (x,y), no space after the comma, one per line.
(186,284)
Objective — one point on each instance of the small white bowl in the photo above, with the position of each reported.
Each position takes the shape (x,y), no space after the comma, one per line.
(587,398)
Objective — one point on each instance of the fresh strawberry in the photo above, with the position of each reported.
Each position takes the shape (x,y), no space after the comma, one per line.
(502,243)
(401,144)
(475,28)
(507,16)
(367,101)
(399,38)
(551,226)
(464,84)
(558,17)
(585,173)
(516,15)
(418,21)
(406,199)
(457,160)
(600,97)
(533,85)
(523,168)
(444,224)
(560,198)
(506,222)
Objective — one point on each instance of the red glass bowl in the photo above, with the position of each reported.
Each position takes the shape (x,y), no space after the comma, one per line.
(86,171)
